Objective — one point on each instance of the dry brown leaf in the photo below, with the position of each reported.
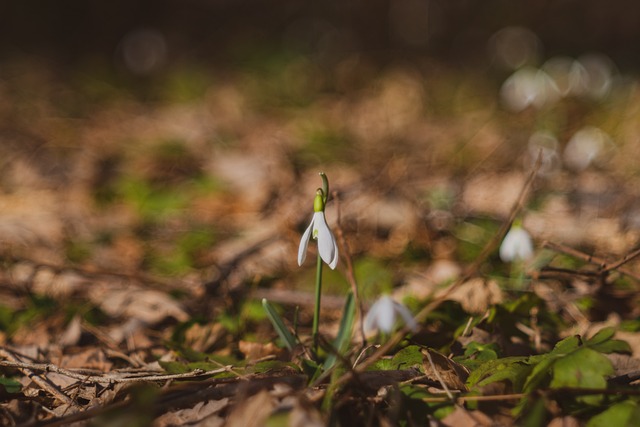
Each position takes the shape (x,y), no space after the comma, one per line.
(633,339)
(476,295)
(461,417)
(492,193)
(625,365)
(452,374)
(255,351)
(71,335)
(202,337)
(89,358)
(30,218)
(564,422)
(148,305)
(203,414)
(57,285)
(252,412)
(305,416)
(425,283)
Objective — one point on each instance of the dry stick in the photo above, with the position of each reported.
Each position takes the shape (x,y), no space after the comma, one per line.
(43,383)
(462,399)
(625,259)
(106,378)
(177,397)
(351,277)
(469,272)
(601,263)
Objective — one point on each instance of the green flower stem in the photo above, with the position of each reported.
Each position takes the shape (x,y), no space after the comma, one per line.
(316,313)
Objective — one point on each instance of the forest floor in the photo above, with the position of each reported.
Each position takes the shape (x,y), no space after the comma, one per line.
(143,221)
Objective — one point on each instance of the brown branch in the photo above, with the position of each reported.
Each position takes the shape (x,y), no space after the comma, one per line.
(602,264)
(554,392)
(90,376)
(42,382)
(182,396)
(351,277)
(625,259)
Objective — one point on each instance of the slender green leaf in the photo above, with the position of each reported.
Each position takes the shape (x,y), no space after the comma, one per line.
(343,339)
(284,333)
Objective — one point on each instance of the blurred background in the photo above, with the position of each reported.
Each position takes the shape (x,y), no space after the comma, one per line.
(74,32)
(184,138)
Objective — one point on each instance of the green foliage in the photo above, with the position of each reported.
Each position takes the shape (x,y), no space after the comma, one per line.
(77,251)
(343,340)
(475,354)
(505,317)
(407,358)
(184,254)
(573,363)
(152,202)
(323,144)
(10,385)
(373,277)
(185,84)
(473,235)
(512,369)
(283,332)
(623,414)
(37,307)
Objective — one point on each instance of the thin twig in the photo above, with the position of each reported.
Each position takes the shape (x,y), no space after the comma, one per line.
(83,375)
(43,383)
(625,259)
(351,277)
(463,399)
(602,264)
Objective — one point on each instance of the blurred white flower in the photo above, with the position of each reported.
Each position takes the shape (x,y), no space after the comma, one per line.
(383,314)
(600,72)
(517,245)
(514,47)
(327,245)
(568,75)
(545,144)
(528,87)
(585,146)
(144,50)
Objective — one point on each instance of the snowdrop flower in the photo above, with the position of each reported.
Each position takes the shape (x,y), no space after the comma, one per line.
(383,313)
(528,87)
(319,230)
(545,144)
(586,146)
(517,245)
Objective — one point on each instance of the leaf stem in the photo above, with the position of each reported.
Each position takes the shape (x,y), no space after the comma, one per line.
(316,312)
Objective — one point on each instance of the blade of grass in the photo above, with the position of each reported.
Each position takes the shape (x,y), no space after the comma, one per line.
(278,325)
(344,333)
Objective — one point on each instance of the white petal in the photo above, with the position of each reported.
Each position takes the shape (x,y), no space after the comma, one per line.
(381,316)
(370,320)
(517,244)
(334,261)
(326,242)
(304,242)
(406,316)
(386,314)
